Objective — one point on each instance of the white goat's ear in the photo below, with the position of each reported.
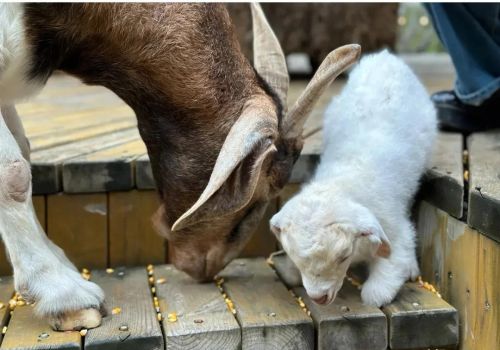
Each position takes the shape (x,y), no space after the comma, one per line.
(247,149)
(379,241)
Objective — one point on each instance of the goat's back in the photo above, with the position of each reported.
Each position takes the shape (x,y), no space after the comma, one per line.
(380,130)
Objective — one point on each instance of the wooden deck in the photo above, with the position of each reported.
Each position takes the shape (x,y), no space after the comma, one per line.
(94,195)
(247,307)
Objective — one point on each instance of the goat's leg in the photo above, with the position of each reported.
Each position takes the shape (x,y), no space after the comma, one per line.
(388,275)
(61,294)
(15,126)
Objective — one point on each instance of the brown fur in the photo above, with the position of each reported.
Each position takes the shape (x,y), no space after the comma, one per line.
(180,68)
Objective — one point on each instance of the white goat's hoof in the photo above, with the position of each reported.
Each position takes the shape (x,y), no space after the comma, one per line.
(76,320)
(378,294)
(64,298)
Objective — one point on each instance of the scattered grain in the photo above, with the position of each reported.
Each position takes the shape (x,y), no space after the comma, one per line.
(172,317)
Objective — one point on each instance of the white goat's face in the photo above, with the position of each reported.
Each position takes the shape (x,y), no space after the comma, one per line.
(320,237)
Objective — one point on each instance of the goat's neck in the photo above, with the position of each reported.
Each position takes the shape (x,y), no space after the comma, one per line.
(178,66)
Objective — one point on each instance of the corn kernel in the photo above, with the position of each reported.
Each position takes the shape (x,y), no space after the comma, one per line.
(161,280)
(110,270)
(150,267)
(116,310)
(172,317)
(83,332)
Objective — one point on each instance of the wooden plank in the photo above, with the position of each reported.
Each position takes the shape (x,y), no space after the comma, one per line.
(6,292)
(111,169)
(347,323)
(262,242)
(484,189)
(44,125)
(308,160)
(78,224)
(419,319)
(136,325)
(268,314)
(144,174)
(203,319)
(461,264)
(132,239)
(46,165)
(56,139)
(488,295)
(27,332)
(443,183)
(431,230)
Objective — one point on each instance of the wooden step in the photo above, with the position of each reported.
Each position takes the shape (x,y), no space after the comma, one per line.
(416,319)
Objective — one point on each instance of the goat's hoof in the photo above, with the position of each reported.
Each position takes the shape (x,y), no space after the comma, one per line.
(76,320)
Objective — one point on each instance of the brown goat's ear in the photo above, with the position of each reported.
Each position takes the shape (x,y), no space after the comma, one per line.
(238,167)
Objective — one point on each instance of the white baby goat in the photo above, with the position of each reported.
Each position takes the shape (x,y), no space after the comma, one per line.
(378,137)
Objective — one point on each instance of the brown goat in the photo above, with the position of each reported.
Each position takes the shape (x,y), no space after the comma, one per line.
(218,133)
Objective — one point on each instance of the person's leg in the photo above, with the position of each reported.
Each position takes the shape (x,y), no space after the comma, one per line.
(471,34)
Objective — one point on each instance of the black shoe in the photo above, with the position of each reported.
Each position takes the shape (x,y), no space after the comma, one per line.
(453,115)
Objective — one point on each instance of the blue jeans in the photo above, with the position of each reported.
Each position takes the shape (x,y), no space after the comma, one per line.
(471,34)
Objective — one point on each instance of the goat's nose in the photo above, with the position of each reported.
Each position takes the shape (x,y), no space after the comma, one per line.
(321,300)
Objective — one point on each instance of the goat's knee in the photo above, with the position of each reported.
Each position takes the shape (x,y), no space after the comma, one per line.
(16,180)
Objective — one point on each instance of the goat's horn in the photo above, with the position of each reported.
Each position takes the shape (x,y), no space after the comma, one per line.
(335,63)
(269,60)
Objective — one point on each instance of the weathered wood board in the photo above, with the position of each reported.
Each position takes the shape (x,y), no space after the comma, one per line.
(57,139)
(144,174)
(431,224)
(27,332)
(484,189)
(79,224)
(488,295)
(309,158)
(443,183)
(347,323)
(132,239)
(136,325)
(419,319)
(461,264)
(344,324)
(268,314)
(262,242)
(203,320)
(107,170)
(6,292)
(46,165)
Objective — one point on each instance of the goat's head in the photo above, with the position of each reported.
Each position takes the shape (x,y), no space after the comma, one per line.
(254,162)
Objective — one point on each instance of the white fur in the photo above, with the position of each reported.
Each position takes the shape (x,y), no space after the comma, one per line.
(42,273)
(378,137)
(15,56)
